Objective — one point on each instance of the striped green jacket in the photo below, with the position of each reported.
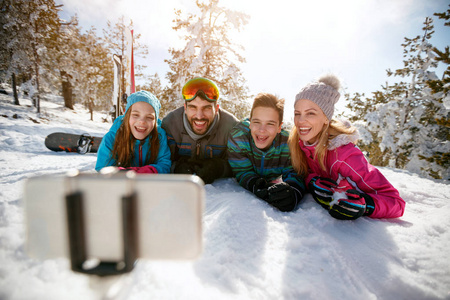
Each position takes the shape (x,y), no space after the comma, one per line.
(249,162)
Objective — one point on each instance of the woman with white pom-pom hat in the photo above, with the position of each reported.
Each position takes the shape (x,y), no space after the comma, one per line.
(337,174)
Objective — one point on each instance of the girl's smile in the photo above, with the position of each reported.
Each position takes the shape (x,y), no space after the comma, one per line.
(142,120)
(309,120)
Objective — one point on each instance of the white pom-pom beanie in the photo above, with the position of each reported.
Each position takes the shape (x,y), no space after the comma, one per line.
(324,92)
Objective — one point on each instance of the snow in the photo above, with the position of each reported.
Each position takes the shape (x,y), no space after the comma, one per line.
(251,250)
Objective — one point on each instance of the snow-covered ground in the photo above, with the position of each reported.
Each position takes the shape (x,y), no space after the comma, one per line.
(251,251)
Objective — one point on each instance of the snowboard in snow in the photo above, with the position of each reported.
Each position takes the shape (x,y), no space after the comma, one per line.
(80,143)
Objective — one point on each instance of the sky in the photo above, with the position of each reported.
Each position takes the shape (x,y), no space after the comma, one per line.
(287,43)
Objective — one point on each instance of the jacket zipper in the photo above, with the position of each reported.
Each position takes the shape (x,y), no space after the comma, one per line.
(262,163)
(198,149)
(140,154)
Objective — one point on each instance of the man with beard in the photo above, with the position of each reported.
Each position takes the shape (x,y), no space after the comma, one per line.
(197,132)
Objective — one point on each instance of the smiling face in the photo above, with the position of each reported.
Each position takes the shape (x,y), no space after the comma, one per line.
(142,120)
(264,126)
(200,114)
(309,120)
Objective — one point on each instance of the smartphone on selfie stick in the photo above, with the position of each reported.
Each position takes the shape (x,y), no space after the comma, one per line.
(105,222)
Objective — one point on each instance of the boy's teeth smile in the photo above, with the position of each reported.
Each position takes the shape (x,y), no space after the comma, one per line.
(261,138)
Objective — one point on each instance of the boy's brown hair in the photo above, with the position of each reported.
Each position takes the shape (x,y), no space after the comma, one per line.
(269,100)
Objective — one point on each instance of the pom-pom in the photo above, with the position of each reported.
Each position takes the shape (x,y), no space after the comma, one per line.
(331,80)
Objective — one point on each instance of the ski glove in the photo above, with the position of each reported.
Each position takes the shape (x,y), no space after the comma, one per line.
(282,196)
(209,169)
(184,166)
(343,204)
(142,170)
(322,190)
(354,205)
(258,186)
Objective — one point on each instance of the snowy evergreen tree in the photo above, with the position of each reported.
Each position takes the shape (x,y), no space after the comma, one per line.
(153,85)
(209,53)
(95,74)
(69,59)
(402,124)
(29,28)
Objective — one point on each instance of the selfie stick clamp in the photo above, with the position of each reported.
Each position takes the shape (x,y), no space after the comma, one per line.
(77,237)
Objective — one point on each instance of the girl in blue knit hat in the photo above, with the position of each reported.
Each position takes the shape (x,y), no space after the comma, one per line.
(136,141)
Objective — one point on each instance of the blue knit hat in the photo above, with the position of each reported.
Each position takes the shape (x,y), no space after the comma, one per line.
(144,96)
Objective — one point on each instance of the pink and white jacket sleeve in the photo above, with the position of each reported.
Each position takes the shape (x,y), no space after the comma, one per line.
(348,162)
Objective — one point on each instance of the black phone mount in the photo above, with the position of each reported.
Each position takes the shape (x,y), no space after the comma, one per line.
(77,238)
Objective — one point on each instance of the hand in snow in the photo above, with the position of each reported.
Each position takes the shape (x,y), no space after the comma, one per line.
(183,166)
(259,187)
(282,196)
(209,169)
(350,205)
(343,203)
(322,190)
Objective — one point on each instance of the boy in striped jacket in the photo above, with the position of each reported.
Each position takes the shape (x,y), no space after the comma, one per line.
(258,153)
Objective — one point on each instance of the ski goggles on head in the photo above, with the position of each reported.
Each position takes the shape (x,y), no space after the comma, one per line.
(200,86)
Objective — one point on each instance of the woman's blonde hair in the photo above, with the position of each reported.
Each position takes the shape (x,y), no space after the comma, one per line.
(328,133)
(123,149)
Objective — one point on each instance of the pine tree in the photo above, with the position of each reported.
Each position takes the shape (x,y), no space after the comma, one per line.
(403,124)
(30,28)
(153,85)
(95,73)
(440,89)
(69,59)
(209,53)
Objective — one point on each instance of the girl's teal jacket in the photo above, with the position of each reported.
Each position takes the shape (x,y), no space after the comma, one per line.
(141,151)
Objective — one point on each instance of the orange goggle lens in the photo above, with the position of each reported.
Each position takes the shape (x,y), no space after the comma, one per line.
(200,85)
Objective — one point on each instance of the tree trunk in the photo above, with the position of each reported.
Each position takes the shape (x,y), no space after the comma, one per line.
(16,97)
(67,90)
(91,109)
(36,96)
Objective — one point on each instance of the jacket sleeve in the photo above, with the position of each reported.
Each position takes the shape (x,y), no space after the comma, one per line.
(163,162)
(368,179)
(104,157)
(240,164)
(166,125)
(309,177)
(294,180)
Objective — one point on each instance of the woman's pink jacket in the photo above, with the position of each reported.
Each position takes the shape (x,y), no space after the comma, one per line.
(347,165)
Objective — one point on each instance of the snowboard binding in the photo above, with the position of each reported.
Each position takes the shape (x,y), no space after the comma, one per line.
(85,143)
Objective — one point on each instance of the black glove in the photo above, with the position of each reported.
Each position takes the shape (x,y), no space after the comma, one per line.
(209,169)
(184,165)
(258,186)
(282,196)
